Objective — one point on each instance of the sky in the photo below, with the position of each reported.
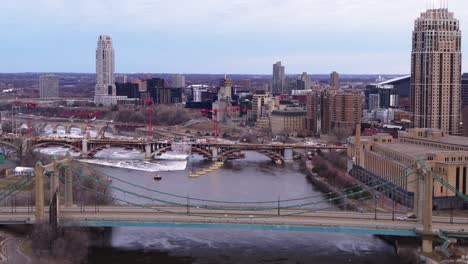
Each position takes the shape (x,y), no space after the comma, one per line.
(215,36)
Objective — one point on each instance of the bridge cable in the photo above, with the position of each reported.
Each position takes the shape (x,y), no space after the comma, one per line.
(283,207)
(200,215)
(234,202)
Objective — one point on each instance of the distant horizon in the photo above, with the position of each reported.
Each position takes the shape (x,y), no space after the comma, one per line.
(206,36)
(222,74)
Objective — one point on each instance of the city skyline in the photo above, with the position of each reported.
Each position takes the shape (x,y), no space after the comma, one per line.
(349,36)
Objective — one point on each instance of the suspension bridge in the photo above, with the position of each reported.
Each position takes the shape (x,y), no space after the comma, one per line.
(113,202)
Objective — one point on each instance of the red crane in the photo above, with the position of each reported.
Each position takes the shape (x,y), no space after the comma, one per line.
(29,106)
(88,115)
(215,117)
(149,103)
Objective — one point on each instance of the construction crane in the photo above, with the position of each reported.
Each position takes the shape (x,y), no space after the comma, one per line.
(89,117)
(103,133)
(149,104)
(29,106)
(215,117)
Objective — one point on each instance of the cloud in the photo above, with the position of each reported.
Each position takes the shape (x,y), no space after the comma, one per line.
(229,16)
(220,35)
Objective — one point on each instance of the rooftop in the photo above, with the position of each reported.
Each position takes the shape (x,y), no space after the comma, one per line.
(289,112)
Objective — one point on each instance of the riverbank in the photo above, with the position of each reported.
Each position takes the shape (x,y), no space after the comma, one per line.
(331,191)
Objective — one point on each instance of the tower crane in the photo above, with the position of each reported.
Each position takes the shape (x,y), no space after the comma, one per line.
(29,106)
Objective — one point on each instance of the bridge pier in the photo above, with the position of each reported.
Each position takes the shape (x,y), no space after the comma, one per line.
(84,147)
(423,206)
(54,179)
(68,189)
(148,152)
(288,155)
(39,172)
(214,152)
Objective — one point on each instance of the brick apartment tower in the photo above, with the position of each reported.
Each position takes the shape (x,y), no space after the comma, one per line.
(436,71)
(340,112)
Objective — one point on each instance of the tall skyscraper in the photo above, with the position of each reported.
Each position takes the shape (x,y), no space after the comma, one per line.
(104,92)
(436,71)
(334,80)
(303,82)
(48,86)
(374,101)
(278,78)
(178,81)
(464,92)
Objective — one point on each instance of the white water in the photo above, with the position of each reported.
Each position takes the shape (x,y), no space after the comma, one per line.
(126,159)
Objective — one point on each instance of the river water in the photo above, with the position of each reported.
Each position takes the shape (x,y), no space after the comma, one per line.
(255,178)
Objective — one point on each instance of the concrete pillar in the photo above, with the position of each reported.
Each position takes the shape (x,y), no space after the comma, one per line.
(68,189)
(427,244)
(54,179)
(214,152)
(427,213)
(288,155)
(84,147)
(148,151)
(427,206)
(39,171)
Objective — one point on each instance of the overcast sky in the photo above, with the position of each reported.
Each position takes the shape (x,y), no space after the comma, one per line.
(214,36)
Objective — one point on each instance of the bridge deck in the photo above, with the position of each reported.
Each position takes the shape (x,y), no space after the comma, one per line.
(322,221)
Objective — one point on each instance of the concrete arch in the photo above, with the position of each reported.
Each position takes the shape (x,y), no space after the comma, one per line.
(59,125)
(274,156)
(68,128)
(92,152)
(14,149)
(206,154)
(42,127)
(161,151)
(55,144)
(22,125)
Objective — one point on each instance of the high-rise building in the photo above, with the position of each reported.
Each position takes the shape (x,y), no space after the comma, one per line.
(334,80)
(105,91)
(278,81)
(121,78)
(340,112)
(312,120)
(178,81)
(303,82)
(464,91)
(224,102)
(374,101)
(48,86)
(436,71)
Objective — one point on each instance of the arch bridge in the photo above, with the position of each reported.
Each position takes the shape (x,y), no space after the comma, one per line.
(209,150)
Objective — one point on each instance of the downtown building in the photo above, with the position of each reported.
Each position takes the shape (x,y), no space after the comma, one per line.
(178,81)
(105,93)
(334,80)
(279,78)
(382,158)
(332,112)
(436,71)
(48,86)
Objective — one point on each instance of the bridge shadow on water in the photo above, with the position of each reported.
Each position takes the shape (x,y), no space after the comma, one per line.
(225,247)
